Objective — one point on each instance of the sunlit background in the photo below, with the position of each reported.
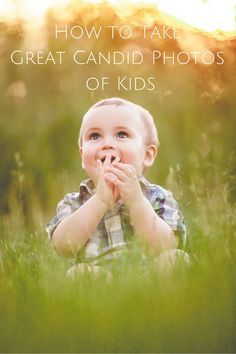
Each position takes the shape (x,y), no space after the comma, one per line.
(30,25)
(207,15)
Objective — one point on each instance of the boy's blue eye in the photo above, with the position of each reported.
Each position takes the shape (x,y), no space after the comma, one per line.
(122,134)
(94,136)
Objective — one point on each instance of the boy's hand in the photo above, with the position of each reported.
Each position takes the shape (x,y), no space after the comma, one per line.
(125,178)
(106,190)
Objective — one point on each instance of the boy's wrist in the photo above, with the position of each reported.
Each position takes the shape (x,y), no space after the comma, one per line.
(137,203)
(101,202)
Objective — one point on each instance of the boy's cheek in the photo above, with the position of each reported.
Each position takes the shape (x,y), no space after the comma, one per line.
(88,159)
(134,158)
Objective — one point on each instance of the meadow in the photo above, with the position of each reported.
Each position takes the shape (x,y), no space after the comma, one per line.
(192,308)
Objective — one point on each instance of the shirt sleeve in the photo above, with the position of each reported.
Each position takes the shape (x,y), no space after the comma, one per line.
(168,209)
(65,207)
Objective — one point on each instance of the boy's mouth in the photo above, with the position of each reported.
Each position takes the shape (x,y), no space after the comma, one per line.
(112,159)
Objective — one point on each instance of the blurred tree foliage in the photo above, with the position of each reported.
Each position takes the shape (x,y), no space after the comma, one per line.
(42,107)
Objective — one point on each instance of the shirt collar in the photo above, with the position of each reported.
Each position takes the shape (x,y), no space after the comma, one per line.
(145,184)
(87,187)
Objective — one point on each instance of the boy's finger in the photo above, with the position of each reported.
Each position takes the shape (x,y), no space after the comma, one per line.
(118,173)
(107,161)
(129,170)
(99,165)
(110,177)
(117,159)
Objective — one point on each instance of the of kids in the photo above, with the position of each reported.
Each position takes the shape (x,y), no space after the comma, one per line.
(118,142)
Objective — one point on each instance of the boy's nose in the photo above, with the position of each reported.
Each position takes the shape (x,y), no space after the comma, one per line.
(108,144)
(107,147)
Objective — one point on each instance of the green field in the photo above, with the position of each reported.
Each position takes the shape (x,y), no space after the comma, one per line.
(191,309)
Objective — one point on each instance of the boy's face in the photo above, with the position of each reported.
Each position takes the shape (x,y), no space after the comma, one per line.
(117,130)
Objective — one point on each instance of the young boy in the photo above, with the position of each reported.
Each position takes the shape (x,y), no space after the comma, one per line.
(118,142)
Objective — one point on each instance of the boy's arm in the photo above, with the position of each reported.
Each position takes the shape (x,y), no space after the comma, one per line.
(153,230)
(75,230)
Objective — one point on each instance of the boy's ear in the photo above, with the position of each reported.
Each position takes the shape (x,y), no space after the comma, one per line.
(81,154)
(150,155)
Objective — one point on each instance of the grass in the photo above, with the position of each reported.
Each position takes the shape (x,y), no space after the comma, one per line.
(191,309)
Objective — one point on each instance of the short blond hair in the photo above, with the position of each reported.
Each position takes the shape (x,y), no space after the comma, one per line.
(145,115)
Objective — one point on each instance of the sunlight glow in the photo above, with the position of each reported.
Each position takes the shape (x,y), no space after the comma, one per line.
(206,15)
(27,9)
(211,15)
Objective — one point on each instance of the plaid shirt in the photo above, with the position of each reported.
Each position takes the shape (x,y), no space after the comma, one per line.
(114,234)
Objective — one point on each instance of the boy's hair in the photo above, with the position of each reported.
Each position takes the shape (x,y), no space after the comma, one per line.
(151,130)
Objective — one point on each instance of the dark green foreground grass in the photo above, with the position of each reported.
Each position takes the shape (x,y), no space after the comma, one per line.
(191,309)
